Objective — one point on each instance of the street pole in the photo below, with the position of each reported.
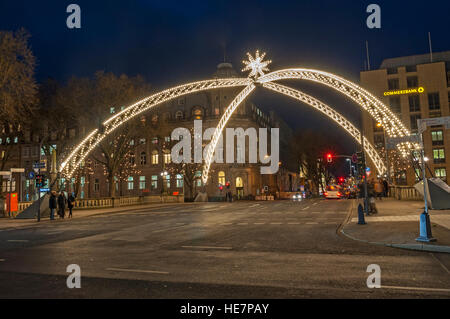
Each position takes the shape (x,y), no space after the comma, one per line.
(366,207)
(39,198)
(425,225)
(388,169)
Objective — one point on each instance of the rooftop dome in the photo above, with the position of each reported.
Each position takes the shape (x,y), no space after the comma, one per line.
(225,70)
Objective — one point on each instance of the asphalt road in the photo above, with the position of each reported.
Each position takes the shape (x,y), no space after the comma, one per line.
(275,249)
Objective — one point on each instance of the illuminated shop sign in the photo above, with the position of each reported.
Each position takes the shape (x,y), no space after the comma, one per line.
(408,91)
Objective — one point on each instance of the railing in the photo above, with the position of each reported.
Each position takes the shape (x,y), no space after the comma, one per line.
(404,193)
(92,203)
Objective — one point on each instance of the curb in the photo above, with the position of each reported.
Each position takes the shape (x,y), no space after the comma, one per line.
(416,247)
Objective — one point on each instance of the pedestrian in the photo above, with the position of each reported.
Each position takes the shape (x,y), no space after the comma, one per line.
(386,188)
(62,204)
(379,189)
(52,205)
(70,204)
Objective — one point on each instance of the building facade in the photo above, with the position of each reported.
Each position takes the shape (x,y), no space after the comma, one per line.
(414,87)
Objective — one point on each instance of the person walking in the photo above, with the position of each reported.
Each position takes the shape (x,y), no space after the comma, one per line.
(70,204)
(386,188)
(379,189)
(62,204)
(52,205)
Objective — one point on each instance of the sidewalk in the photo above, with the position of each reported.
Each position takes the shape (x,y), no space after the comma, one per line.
(397,225)
(11,223)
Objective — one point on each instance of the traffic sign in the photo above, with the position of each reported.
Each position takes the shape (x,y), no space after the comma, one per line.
(355,158)
(45,190)
(31,175)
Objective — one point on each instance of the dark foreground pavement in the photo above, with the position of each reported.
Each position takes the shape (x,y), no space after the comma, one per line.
(213,250)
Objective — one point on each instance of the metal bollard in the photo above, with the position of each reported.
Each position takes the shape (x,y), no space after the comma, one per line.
(361,220)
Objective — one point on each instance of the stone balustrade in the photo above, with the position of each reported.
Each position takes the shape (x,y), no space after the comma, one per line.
(404,193)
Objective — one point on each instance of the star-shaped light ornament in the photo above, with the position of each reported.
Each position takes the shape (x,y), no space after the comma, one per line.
(256,65)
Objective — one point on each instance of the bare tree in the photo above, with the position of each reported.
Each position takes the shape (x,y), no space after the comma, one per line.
(17,92)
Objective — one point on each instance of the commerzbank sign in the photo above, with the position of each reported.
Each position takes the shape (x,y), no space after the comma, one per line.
(402,92)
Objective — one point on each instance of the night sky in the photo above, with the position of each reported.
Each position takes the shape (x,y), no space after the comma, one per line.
(172,42)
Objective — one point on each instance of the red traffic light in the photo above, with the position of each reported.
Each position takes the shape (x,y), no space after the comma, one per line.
(329,158)
(221,187)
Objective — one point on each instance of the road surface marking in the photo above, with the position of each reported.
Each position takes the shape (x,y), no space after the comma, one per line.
(312,223)
(208,247)
(139,271)
(259,223)
(305,208)
(315,204)
(242,224)
(276,223)
(254,205)
(18,240)
(417,288)
(293,223)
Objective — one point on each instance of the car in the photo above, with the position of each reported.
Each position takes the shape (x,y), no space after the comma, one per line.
(297,196)
(332,191)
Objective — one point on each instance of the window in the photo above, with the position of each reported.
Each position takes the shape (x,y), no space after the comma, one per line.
(437,137)
(392,71)
(142,141)
(132,159)
(179,115)
(414,103)
(96,185)
(393,84)
(179,181)
(216,111)
(411,68)
(167,181)
(143,158)
(439,155)
(112,110)
(433,101)
(154,181)
(132,143)
(221,178)
(181,101)
(155,140)
(440,173)
(412,81)
(414,119)
(130,183)
(167,139)
(155,119)
(155,158)
(395,104)
(198,178)
(142,182)
(167,158)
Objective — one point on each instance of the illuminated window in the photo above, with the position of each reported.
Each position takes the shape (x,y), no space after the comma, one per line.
(179,181)
(167,157)
(154,181)
(142,141)
(112,110)
(198,178)
(439,155)
(437,137)
(130,183)
(155,158)
(167,181)
(221,178)
(440,173)
(142,182)
(239,182)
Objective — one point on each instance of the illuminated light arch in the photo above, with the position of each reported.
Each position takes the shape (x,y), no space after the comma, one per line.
(393,126)
(336,117)
(80,152)
(298,95)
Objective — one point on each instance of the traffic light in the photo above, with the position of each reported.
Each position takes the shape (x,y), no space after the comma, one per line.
(40,181)
(329,158)
(341,180)
(228,185)
(221,187)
